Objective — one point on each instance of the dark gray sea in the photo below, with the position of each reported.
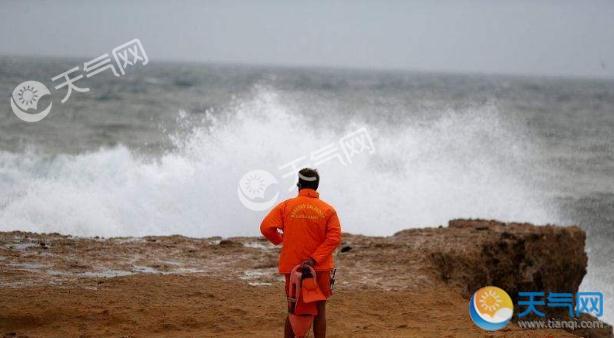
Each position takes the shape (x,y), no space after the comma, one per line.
(162,149)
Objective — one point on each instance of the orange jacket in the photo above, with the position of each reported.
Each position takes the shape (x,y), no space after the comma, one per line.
(309,228)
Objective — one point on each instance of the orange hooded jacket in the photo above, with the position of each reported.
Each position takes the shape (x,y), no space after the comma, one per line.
(309,229)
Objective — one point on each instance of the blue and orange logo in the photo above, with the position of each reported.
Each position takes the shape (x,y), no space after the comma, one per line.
(491,308)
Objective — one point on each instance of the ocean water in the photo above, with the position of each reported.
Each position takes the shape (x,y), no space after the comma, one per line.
(161,150)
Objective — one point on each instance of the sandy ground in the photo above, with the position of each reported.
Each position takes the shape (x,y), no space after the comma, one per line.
(60,286)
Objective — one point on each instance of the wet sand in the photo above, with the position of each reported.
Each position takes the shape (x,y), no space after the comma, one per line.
(62,286)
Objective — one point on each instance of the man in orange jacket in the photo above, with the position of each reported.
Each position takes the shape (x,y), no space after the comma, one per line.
(309,231)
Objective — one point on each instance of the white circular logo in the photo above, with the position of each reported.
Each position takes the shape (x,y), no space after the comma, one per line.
(25,97)
(252,187)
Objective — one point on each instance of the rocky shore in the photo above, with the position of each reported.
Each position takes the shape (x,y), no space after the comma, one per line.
(415,283)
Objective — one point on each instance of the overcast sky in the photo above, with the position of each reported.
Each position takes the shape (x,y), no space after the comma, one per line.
(557,37)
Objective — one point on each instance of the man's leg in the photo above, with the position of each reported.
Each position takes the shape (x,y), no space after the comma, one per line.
(288,333)
(319,323)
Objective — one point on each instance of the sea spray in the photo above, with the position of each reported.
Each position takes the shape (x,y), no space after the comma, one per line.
(459,164)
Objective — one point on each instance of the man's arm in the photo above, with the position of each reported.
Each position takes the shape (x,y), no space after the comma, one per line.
(271,223)
(333,238)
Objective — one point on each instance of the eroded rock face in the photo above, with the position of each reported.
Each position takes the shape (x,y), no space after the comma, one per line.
(515,257)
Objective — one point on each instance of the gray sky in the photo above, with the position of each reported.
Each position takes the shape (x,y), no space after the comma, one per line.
(557,37)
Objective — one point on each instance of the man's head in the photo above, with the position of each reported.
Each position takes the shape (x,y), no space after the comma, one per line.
(308,179)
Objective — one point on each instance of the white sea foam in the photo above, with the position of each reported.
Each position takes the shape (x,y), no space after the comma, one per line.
(458,164)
